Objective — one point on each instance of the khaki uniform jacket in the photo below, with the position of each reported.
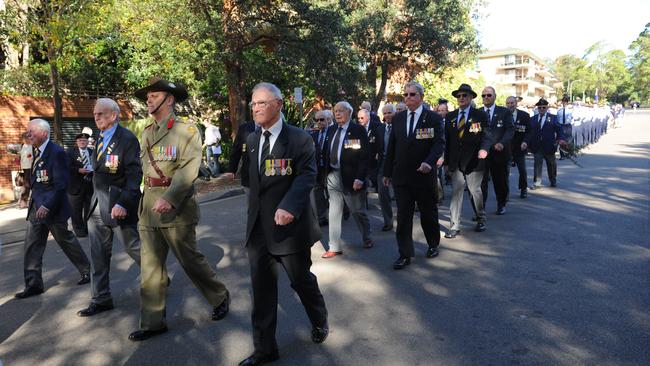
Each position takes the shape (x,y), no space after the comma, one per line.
(176,148)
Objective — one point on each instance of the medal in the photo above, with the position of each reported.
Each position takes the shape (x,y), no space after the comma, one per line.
(267,170)
(283,169)
(289,170)
(243,148)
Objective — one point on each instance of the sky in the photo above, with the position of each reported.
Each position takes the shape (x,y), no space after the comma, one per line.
(550,28)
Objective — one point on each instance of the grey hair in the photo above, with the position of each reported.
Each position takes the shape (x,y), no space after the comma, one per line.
(270,87)
(111,104)
(493,90)
(390,106)
(327,113)
(415,85)
(347,106)
(364,111)
(42,125)
(511,97)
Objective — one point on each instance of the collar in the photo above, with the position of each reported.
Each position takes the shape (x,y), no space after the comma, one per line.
(417,111)
(43,146)
(275,128)
(110,131)
(466,110)
(345,125)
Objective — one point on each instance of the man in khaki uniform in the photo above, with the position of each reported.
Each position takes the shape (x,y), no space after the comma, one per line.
(171,155)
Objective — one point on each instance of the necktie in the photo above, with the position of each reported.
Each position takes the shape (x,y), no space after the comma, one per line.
(387,137)
(563,115)
(487,110)
(461,125)
(266,149)
(320,139)
(411,124)
(84,158)
(541,122)
(37,154)
(334,160)
(100,145)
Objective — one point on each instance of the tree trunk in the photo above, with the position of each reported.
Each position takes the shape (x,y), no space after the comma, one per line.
(235,92)
(381,93)
(371,79)
(56,95)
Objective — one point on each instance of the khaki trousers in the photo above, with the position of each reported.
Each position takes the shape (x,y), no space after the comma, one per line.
(155,244)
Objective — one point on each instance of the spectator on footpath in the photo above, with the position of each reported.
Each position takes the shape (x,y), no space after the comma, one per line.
(212,144)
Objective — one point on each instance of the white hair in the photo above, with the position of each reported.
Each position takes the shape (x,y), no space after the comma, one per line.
(326,113)
(364,111)
(415,85)
(390,106)
(111,104)
(270,87)
(42,125)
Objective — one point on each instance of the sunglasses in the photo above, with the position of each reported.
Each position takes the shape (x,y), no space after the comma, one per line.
(486,95)
(319,119)
(542,107)
(409,94)
(462,96)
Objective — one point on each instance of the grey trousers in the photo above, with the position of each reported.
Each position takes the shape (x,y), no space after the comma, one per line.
(101,251)
(35,241)
(356,201)
(473,180)
(551,167)
(384,198)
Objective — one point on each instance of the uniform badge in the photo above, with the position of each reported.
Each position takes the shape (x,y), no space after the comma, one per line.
(112,163)
(191,129)
(499,123)
(42,176)
(475,128)
(520,128)
(243,148)
(424,133)
(372,140)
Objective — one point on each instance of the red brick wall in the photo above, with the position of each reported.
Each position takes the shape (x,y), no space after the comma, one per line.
(15,113)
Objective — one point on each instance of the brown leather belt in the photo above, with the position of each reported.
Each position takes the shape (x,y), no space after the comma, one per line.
(157,182)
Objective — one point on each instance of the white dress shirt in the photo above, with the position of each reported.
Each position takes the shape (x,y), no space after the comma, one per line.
(275,132)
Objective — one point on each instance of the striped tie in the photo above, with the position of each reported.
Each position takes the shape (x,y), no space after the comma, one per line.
(84,159)
(37,155)
(100,146)
(461,125)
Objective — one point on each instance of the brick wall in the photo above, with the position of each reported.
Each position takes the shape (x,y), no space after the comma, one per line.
(15,113)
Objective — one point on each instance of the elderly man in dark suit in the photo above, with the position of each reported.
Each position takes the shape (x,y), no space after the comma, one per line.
(375,131)
(502,129)
(319,195)
(114,207)
(468,141)
(281,225)
(346,156)
(520,141)
(80,190)
(546,135)
(49,210)
(415,145)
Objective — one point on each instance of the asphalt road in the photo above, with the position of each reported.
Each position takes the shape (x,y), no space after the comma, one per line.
(562,279)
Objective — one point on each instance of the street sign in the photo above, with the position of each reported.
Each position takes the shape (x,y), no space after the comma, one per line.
(297,95)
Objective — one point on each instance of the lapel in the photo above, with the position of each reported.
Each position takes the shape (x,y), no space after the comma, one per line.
(162,132)
(253,151)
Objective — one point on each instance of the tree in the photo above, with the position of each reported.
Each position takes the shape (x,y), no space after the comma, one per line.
(640,65)
(573,72)
(410,37)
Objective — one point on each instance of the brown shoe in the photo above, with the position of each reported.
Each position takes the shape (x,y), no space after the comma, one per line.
(330,254)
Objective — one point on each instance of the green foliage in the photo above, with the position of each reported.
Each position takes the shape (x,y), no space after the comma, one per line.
(640,67)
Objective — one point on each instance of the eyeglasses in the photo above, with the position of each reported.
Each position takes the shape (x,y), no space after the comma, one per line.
(486,95)
(319,119)
(462,96)
(409,94)
(261,104)
(542,107)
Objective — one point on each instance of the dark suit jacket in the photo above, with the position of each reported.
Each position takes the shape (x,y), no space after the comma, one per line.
(289,192)
(318,155)
(77,180)
(406,154)
(501,129)
(353,161)
(545,139)
(51,191)
(238,152)
(124,183)
(523,132)
(376,144)
(463,153)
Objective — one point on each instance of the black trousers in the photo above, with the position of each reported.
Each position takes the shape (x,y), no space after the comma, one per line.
(264,277)
(497,169)
(407,197)
(520,161)
(80,205)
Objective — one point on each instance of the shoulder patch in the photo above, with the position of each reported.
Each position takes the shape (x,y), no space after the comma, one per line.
(191,129)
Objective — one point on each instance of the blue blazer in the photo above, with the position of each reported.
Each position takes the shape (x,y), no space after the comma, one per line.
(50,178)
(545,139)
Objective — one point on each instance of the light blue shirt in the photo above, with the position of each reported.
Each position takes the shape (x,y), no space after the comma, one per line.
(108,135)
(466,115)
(561,114)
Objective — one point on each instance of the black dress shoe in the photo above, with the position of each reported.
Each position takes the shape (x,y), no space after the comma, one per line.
(318,334)
(387,228)
(501,210)
(219,312)
(141,335)
(553,184)
(432,252)
(480,227)
(452,234)
(29,292)
(323,223)
(94,309)
(401,262)
(84,279)
(523,194)
(259,359)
